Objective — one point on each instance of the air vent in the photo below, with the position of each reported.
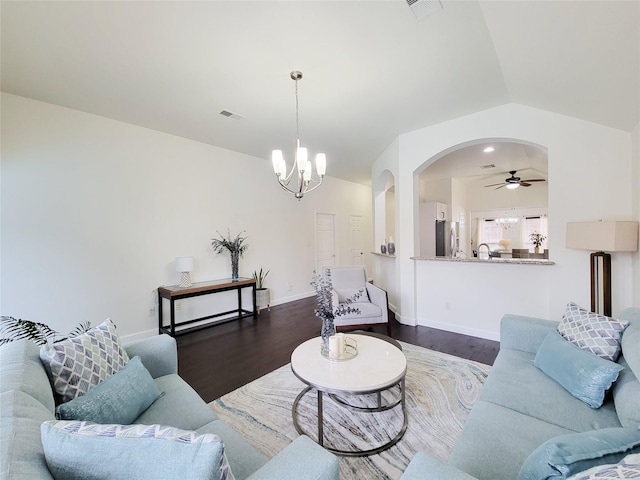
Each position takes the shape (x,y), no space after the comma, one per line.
(422,8)
(490,165)
(228,114)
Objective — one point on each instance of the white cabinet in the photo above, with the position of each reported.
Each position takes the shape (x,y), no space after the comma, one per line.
(429,213)
(434,211)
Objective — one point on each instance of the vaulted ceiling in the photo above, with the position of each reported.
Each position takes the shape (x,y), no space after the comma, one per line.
(371,69)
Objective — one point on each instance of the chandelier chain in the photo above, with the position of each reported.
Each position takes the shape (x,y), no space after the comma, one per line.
(297,120)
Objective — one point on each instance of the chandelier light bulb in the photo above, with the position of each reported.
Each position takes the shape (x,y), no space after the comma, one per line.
(321,164)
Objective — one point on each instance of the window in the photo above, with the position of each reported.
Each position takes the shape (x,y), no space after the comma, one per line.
(490,232)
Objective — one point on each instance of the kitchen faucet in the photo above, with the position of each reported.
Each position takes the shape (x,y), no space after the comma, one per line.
(488,250)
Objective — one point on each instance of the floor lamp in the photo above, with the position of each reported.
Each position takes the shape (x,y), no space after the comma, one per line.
(601,238)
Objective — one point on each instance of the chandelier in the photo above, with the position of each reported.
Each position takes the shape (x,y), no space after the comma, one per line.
(506,222)
(301,169)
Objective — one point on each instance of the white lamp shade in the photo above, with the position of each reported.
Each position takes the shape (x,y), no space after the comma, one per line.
(603,236)
(307,172)
(184,264)
(512,186)
(321,164)
(277,160)
(301,158)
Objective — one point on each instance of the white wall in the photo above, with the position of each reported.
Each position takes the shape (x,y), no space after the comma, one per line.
(94,212)
(589,158)
(635,188)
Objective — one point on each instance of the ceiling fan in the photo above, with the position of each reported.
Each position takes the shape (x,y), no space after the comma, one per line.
(514,182)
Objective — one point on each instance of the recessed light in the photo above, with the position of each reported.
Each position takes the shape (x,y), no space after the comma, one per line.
(488,149)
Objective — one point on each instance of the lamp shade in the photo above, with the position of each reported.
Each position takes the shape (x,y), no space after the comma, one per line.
(184,264)
(603,236)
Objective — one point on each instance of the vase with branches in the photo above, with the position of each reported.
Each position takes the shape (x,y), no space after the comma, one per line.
(40,333)
(235,246)
(326,310)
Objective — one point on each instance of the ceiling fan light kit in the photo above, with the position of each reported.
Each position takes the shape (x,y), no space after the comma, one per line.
(514,182)
(301,164)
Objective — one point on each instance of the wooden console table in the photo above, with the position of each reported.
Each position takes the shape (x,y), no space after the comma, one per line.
(174,293)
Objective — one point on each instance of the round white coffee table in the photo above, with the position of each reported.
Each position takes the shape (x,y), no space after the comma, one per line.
(378,366)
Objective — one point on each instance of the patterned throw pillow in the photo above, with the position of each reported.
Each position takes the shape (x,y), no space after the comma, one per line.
(628,467)
(595,333)
(75,449)
(79,363)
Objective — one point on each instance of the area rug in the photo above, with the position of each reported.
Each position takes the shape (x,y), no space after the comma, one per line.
(440,390)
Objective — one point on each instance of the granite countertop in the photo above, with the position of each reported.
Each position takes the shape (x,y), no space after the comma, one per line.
(518,261)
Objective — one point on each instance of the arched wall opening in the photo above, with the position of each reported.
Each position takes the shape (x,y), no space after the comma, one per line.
(467,196)
(384,210)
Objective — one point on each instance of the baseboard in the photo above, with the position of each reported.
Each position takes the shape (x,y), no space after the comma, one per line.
(410,321)
(132,337)
(472,332)
(293,298)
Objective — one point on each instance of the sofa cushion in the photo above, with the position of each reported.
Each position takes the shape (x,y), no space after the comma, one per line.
(628,467)
(21,454)
(80,450)
(79,363)
(584,375)
(631,339)
(121,398)
(22,370)
(514,382)
(496,441)
(626,396)
(595,333)
(179,407)
(566,455)
(243,458)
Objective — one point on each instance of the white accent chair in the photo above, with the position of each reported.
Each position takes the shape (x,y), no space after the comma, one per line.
(372,303)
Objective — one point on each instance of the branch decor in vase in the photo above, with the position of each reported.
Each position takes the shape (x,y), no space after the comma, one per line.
(326,311)
(537,239)
(236,247)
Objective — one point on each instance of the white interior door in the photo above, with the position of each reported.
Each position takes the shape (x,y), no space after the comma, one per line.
(325,241)
(355,240)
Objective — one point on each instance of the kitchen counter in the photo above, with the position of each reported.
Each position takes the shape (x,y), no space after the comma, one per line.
(517,261)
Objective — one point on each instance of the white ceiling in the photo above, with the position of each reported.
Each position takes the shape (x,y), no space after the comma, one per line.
(371,69)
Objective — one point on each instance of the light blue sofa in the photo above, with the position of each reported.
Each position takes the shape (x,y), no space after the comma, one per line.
(26,400)
(520,408)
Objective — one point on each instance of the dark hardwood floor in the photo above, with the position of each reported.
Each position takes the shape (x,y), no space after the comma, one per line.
(220,359)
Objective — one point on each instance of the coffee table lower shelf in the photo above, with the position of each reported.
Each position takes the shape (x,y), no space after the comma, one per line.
(335,396)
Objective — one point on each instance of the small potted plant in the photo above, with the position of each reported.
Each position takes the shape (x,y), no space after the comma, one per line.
(263,296)
(537,239)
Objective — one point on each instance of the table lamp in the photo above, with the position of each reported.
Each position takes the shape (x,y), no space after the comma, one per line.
(601,237)
(184,265)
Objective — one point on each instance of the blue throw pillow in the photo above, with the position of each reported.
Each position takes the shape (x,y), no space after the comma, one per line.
(121,398)
(584,375)
(80,450)
(566,455)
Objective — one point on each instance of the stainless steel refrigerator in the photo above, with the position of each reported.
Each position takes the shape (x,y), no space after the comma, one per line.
(447,238)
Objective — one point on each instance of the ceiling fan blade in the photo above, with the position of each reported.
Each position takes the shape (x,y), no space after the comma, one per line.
(535,180)
(498,188)
(524,184)
(494,184)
